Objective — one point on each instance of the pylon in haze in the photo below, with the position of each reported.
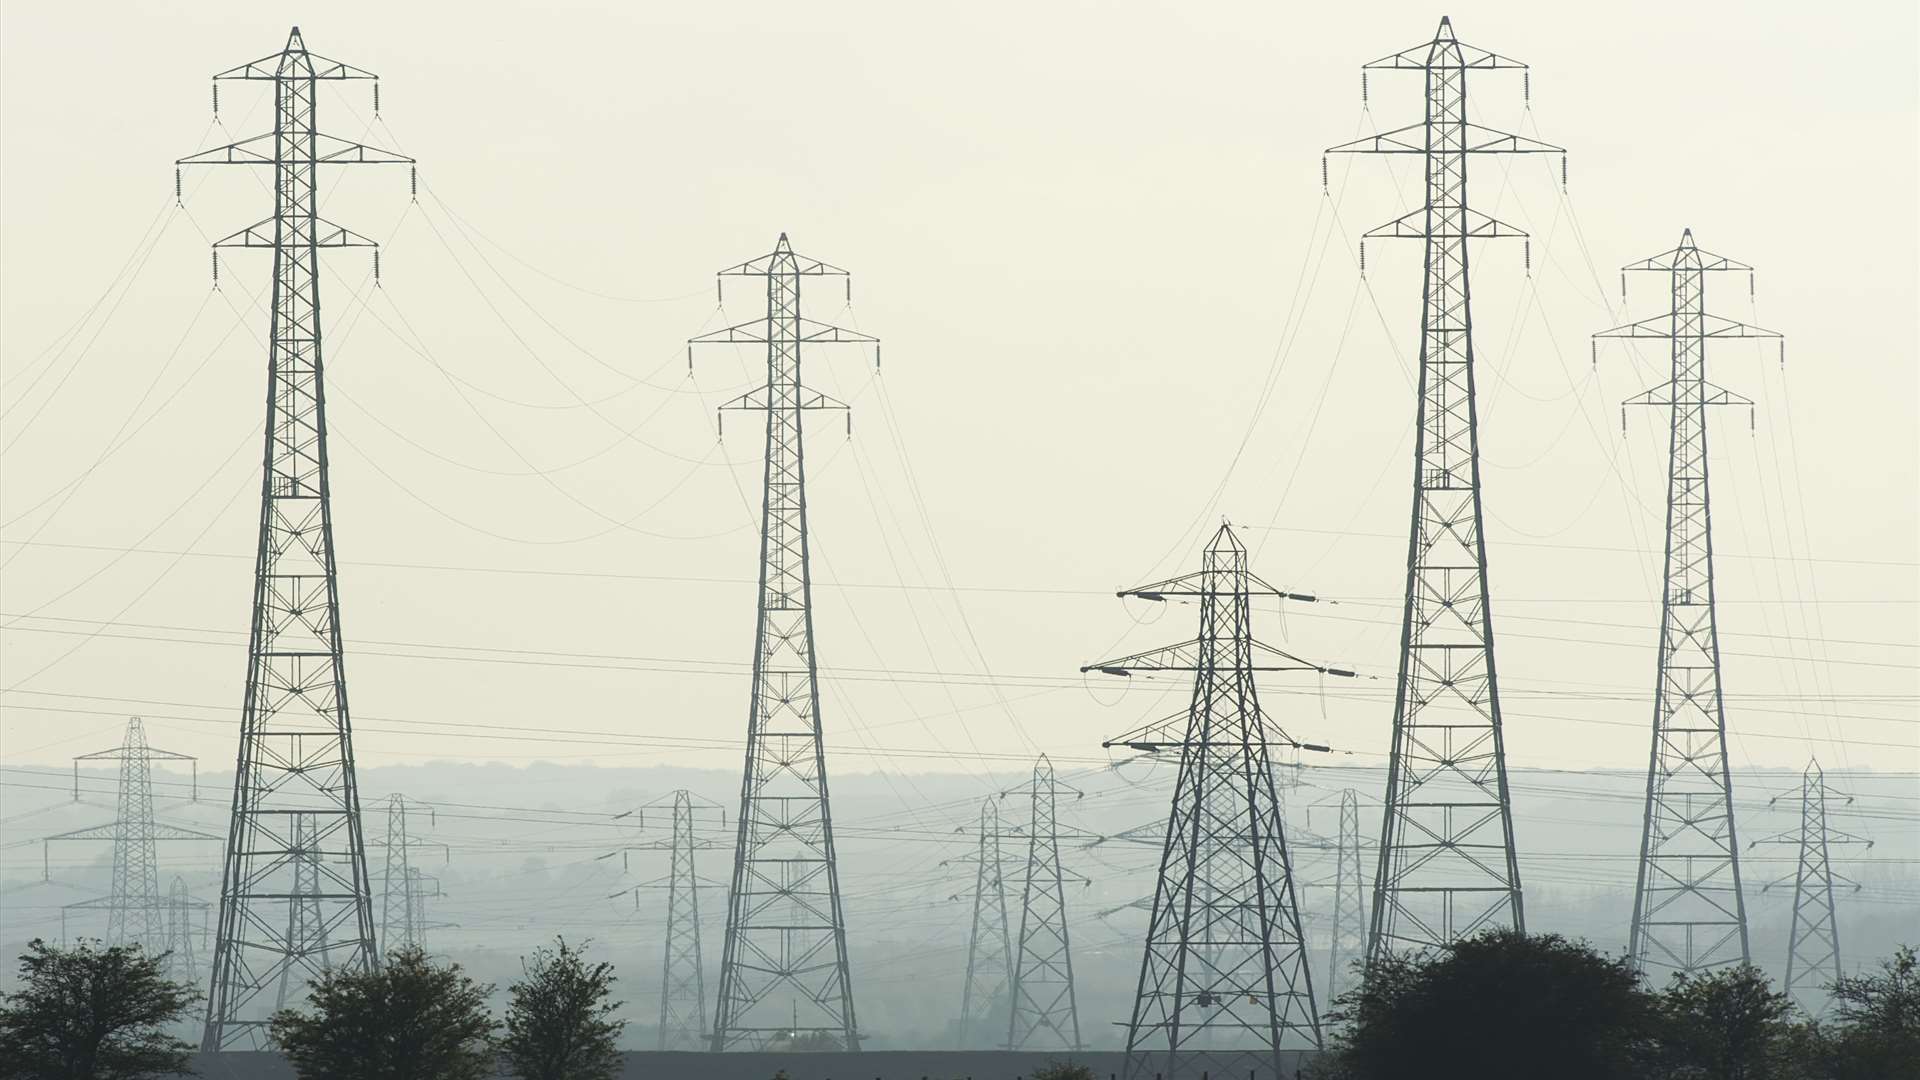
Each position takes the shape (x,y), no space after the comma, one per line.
(1043,1011)
(181,933)
(404,887)
(783,966)
(1224,977)
(1813,941)
(1349,898)
(1688,911)
(295,768)
(985,997)
(136,912)
(1447,867)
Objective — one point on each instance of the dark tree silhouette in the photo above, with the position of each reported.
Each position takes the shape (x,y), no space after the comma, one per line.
(1499,1006)
(559,1024)
(92,1012)
(410,1020)
(1729,1024)
(1875,1030)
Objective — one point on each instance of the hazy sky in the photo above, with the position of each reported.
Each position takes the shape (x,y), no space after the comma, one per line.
(1117,307)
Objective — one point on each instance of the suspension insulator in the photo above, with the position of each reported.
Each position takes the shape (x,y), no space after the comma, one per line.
(1323,174)
(413,181)
(1363,88)
(216,99)
(176,186)
(376,266)
(376,99)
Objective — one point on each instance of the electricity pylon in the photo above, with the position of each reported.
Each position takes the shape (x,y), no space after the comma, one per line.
(1040,995)
(295,760)
(136,912)
(783,967)
(180,951)
(1688,911)
(1224,977)
(1349,897)
(403,920)
(1813,943)
(683,980)
(989,946)
(1447,864)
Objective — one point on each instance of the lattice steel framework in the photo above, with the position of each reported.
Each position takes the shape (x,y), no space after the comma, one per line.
(1813,942)
(1349,897)
(136,912)
(1688,911)
(295,763)
(1224,977)
(986,998)
(683,980)
(404,887)
(181,933)
(1043,1009)
(1447,866)
(783,966)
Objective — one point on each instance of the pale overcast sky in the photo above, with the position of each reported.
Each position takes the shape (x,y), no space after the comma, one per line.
(1117,307)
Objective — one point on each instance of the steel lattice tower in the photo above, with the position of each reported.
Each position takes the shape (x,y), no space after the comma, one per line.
(1688,911)
(136,912)
(295,762)
(181,965)
(683,980)
(783,966)
(403,895)
(1813,943)
(1349,897)
(1447,864)
(1224,977)
(1040,996)
(989,946)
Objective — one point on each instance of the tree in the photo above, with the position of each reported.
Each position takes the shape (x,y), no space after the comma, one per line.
(410,1020)
(1875,1031)
(1063,1070)
(558,1022)
(1729,1024)
(1496,1006)
(92,1012)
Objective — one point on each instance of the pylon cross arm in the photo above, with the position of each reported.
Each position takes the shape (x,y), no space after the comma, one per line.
(1475,139)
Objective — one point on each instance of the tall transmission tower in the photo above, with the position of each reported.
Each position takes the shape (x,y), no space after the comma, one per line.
(1349,897)
(783,967)
(295,762)
(1224,977)
(1042,1007)
(136,911)
(182,933)
(1813,942)
(403,886)
(683,980)
(1447,863)
(1688,911)
(986,995)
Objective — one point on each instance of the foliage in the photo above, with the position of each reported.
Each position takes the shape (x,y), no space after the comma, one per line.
(1875,1030)
(410,1020)
(558,1020)
(1729,1024)
(1501,1004)
(1063,1070)
(92,1012)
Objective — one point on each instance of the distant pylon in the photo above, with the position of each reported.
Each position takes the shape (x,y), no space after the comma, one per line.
(181,932)
(1447,867)
(1813,942)
(1349,898)
(1688,911)
(403,920)
(985,998)
(1043,1008)
(1224,977)
(295,766)
(783,966)
(136,912)
(683,974)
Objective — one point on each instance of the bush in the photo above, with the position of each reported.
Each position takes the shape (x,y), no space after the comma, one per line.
(558,1025)
(92,1012)
(410,1020)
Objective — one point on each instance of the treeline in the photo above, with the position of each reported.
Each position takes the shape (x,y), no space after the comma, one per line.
(1499,1006)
